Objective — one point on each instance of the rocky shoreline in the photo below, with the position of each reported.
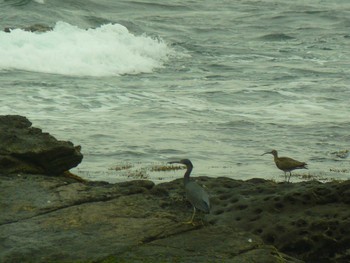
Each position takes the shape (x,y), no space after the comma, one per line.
(50,216)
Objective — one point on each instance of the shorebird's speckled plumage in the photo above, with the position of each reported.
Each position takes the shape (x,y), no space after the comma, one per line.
(286,164)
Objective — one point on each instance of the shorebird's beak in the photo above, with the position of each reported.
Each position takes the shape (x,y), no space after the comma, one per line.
(266,153)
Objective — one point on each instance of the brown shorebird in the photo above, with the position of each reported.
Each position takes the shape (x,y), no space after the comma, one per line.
(286,164)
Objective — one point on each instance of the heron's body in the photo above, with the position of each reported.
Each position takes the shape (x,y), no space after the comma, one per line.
(286,164)
(195,193)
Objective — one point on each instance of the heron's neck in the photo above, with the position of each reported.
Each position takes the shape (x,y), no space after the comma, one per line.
(187,174)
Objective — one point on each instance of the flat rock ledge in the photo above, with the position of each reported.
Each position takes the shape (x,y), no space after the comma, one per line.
(58,219)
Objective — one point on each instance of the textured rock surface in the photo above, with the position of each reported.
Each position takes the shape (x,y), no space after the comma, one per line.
(55,219)
(307,220)
(25,149)
(50,219)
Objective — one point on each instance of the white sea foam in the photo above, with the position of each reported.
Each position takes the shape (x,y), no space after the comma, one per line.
(108,50)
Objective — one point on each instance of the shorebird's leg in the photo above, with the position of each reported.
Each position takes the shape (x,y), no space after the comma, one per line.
(290,174)
(191,220)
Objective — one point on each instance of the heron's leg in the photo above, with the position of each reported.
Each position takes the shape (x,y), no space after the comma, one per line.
(192,217)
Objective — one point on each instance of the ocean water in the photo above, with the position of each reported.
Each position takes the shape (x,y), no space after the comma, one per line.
(139,83)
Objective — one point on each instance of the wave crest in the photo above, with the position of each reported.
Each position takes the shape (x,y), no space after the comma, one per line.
(69,50)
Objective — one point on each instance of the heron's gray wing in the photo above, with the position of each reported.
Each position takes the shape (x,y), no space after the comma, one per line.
(198,197)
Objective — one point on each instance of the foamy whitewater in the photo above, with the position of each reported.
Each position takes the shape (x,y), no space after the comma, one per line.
(140,83)
(69,50)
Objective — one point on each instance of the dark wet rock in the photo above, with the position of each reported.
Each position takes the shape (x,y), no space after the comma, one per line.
(50,219)
(55,219)
(308,205)
(25,149)
(32,28)
(307,220)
